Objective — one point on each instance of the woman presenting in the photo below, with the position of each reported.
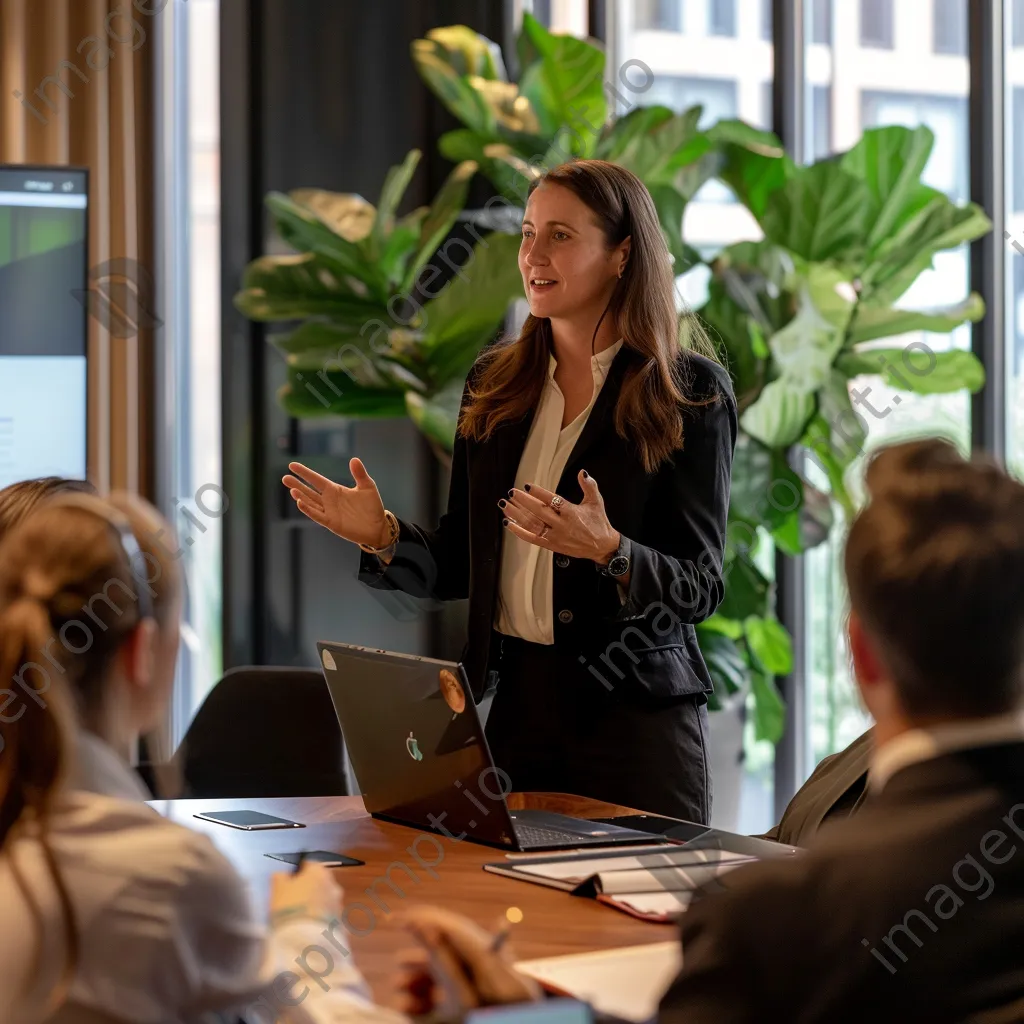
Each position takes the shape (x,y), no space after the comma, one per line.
(587,512)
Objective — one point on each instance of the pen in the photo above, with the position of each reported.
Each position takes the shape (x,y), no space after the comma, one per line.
(298,863)
(500,939)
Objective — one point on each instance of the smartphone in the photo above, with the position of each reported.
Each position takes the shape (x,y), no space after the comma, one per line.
(249,820)
(671,828)
(325,857)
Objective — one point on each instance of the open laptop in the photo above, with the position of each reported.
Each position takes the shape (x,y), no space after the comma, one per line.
(420,756)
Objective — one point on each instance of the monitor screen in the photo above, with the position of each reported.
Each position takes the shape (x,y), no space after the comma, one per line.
(43,258)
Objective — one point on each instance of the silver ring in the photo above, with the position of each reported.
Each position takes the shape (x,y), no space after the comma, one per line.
(557,502)
(544,531)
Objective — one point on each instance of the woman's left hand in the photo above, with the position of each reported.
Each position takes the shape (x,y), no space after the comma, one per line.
(580,531)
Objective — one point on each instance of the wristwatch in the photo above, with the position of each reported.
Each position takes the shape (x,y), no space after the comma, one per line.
(618,564)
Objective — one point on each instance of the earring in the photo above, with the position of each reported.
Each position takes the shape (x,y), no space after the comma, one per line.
(622,270)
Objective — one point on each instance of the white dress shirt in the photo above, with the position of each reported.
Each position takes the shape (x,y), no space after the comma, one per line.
(166,929)
(918,745)
(525,607)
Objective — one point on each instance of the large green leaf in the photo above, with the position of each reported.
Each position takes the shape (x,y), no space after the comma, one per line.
(765,489)
(769,711)
(900,259)
(779,415)
(298,285)
(306,232)
(472,307)
(821,213)
(817,438)
(770,644)
(437,415)
(453,89)
(846,428)
(468,52)
(924,372)
(755,165)
(348,215)
(873,322)
(334,393)
(671,206)
(620,135)
(395,183)
(565,86)
(444,212)
(657,155)
(806,347)
(401,245)
(724,658)
(321,345)
(889,161)
(728,327)
(746,589)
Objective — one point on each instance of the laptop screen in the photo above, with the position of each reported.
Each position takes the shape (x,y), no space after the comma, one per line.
(416,743)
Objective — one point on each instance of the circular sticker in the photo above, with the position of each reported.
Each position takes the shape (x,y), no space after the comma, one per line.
(329,660)
(451,690)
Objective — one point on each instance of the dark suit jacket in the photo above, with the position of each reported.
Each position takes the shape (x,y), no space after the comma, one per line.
(836,789)
(929,876)
(674,517)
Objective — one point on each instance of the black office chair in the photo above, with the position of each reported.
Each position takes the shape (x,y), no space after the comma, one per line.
(265,732)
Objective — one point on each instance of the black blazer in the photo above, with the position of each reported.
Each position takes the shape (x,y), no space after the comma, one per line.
(675,519)
(930,872)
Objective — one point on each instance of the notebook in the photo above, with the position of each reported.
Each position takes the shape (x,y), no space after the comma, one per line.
(626,983)
(653,883)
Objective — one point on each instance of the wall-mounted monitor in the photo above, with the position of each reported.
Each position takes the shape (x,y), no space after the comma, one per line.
(43,267)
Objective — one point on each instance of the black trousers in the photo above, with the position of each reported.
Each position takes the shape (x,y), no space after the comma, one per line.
(555,728)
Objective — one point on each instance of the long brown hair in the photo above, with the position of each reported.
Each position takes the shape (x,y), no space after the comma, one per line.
(935,569)
(508,378)
(68,599)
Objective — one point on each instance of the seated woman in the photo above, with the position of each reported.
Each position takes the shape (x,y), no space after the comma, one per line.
(108,912)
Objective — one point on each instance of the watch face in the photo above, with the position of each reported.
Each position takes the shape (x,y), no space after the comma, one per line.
(618,566)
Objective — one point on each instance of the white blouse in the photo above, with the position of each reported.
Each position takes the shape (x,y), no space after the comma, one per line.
(525,607)
(167,931)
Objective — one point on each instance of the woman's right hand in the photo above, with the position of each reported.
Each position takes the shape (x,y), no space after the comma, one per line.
(353,513)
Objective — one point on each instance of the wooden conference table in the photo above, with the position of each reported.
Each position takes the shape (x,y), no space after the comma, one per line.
(553,922)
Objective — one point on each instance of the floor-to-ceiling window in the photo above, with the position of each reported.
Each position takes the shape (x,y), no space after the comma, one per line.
(716,54)
(190,370)
(885,63)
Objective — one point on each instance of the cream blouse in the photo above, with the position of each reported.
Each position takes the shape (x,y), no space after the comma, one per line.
(525,607)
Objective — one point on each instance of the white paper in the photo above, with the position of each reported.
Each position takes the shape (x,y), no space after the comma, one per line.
(627,983)
(670,903)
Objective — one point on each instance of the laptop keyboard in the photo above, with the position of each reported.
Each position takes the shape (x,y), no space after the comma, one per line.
(538,835)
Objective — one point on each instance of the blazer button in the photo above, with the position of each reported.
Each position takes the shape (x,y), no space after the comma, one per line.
(561,561)
(565,616)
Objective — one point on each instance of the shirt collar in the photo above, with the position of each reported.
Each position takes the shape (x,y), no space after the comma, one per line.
(918,745)
(99,769)
(599,363)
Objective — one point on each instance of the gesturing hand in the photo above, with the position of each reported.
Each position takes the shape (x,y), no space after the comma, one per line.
(580,531)
(353,513)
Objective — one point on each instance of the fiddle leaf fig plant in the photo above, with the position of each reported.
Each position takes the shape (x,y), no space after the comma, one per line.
(798,316)
(370,343)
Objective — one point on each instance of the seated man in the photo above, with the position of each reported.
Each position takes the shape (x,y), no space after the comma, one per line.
(915,909)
